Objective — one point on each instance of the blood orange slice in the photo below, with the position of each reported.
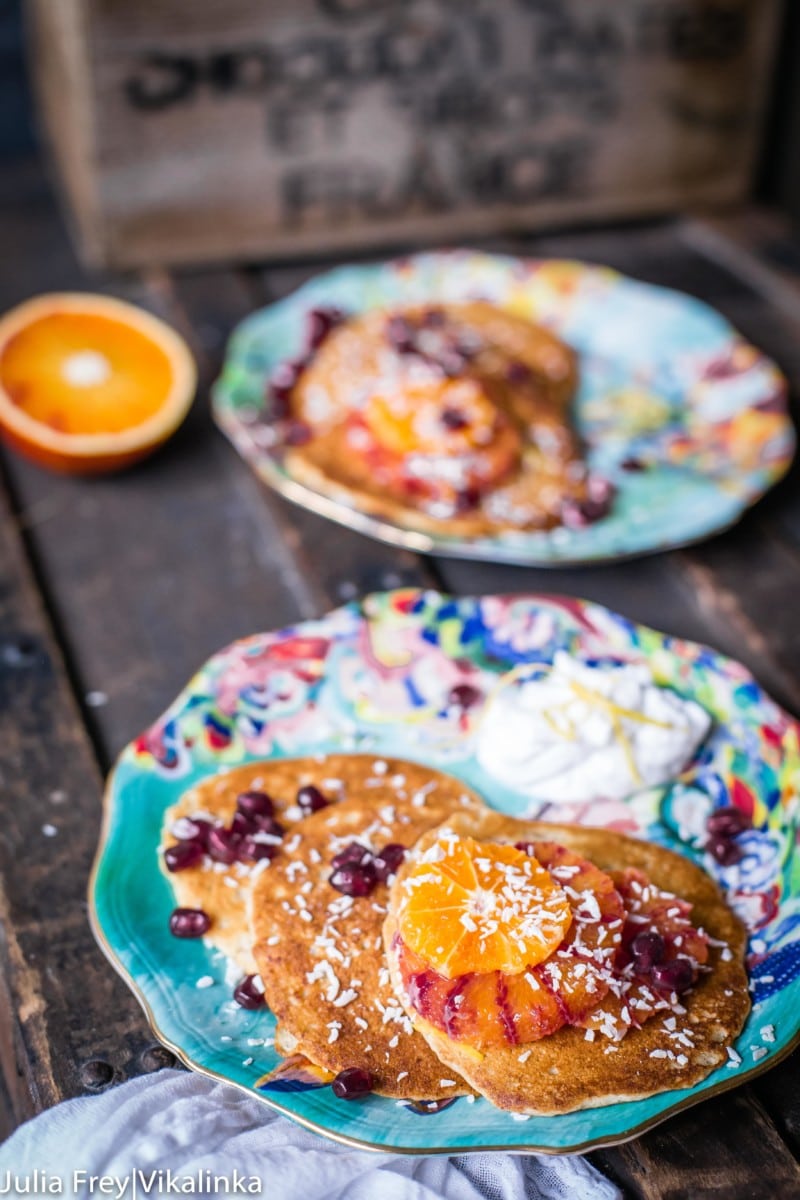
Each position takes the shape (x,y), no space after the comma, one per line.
(562,986)
(90,384)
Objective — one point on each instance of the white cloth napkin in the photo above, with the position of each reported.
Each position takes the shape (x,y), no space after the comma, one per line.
(186,1124)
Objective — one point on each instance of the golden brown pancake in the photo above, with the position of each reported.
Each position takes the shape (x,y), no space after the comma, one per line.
(320,953)
(518,475)
(565,1071)
(222,891)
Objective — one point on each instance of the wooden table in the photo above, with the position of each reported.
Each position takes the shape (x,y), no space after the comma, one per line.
(112,592)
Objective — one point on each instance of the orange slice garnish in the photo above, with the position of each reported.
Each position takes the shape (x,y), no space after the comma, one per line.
(90,384)
(453,416)
(477,907)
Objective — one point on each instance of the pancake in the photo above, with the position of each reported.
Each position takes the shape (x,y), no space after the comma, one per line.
(221,891)
(320,953)
(576,1067)
(464,429)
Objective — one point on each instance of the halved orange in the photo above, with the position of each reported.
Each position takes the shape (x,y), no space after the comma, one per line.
(89,383)
(478,906)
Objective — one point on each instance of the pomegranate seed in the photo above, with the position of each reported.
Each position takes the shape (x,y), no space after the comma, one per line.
(388,860)
(525,847)
(269,825)
(279,403)
(354,853)
(352,1083)
(310,799)
(453,363)
(203,830)
(255,804)
(183,855)
(297,434)
(775,404)
(464,696)
(468,499)
(675,976)
(647,950)
(433,318)
(518,372)
(578,516)
(247,995)
(252,850)
(285,376)
(453,420)
(726,852)
(191,829)
(189,922)
(223,845)
(400,335)
(242,824)
(354,879)
(600,490)
(320,322)
(727,822)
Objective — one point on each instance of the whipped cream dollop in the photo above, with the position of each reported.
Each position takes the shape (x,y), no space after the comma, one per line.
(581,732)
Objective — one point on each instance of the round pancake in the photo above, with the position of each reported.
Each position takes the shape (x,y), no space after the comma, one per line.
(320,954)
(222,891)
(351,364)
(566,1071)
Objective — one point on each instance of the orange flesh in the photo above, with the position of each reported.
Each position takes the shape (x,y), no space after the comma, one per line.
(482,907)
(410,420)
(132,374)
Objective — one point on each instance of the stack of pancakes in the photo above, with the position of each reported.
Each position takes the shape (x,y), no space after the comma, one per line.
(325,961)
(519,463)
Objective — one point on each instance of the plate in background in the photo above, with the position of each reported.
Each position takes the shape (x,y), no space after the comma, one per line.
(664,381)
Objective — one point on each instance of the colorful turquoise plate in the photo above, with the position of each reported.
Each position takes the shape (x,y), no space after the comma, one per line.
(375,678)
(666,384)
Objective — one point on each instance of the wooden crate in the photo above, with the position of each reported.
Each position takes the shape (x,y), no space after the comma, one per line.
(193,130)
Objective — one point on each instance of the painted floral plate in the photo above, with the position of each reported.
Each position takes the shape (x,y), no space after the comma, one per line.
(687,420)
(379,677)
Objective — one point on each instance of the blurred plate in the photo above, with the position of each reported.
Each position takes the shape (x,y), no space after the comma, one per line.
(375,678)
(665,381)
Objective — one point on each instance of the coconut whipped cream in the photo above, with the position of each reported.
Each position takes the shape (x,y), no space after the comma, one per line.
(584,732)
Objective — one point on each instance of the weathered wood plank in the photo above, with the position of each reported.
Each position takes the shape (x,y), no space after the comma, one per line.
(16,1102)
(726,1150)
(777,1090)
(68,1006)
